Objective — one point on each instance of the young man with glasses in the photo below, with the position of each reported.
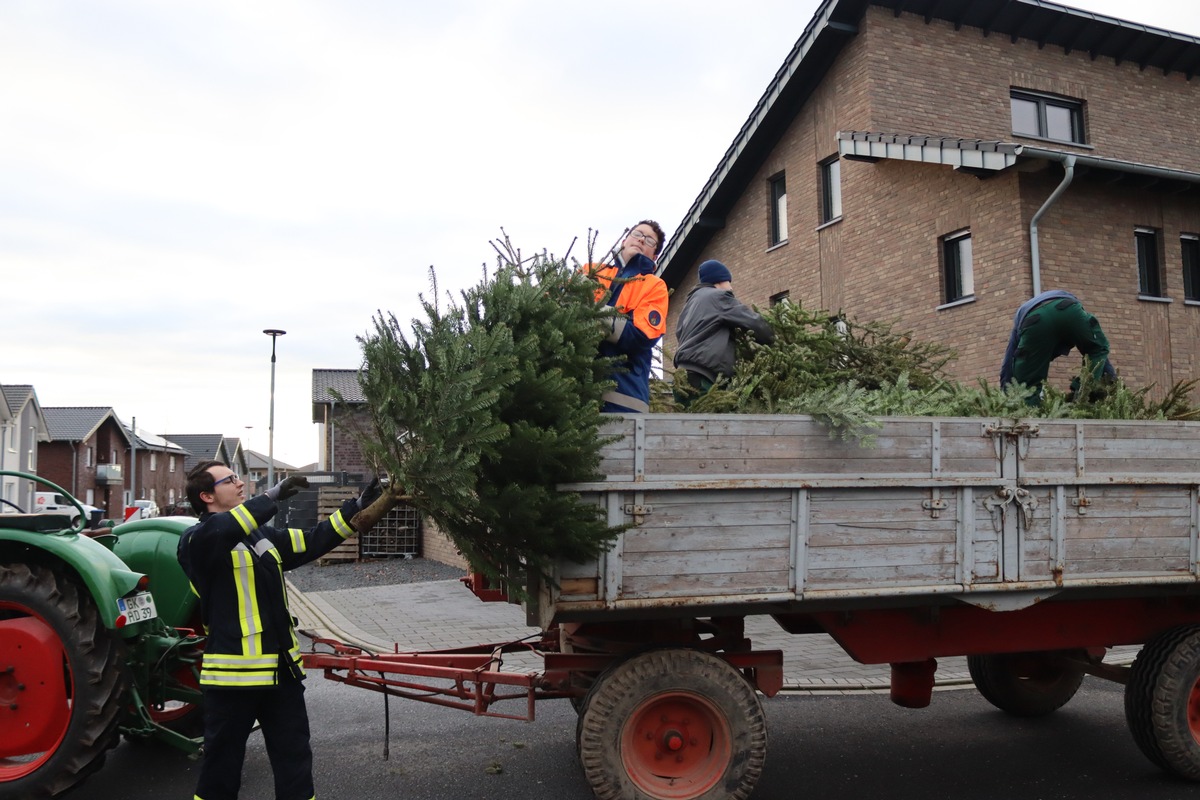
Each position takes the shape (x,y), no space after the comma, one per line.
(640,299)
(251,668)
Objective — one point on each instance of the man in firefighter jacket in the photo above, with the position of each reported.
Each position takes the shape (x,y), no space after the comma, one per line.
(640,298)
(251,668)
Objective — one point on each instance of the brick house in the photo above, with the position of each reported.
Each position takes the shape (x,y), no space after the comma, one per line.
(87,454)
(159,472)
(934,163)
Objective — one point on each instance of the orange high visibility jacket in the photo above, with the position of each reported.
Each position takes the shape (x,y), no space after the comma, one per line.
(641,298)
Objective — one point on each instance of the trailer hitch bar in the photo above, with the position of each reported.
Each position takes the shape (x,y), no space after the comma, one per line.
(467,678)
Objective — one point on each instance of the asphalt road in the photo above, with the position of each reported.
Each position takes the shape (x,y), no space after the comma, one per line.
(827,747)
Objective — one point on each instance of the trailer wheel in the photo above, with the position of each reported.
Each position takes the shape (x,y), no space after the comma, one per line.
(61,664)
(1025,684)
(678,724)
(1162,701)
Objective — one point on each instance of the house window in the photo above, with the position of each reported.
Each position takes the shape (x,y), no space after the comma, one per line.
(831,190)
(87,457)
(31,455)
(1190,245)
(778,190)
(958,271)
(1149,269)
(1047,117)
(171,463)
(153,462)
(780,297)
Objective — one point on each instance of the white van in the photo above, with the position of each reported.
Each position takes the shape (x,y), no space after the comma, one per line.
(55,503)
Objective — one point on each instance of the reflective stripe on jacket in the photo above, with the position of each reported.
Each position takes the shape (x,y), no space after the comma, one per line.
(236,564)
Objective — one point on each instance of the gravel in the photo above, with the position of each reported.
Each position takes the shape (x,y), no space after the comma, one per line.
(333,575)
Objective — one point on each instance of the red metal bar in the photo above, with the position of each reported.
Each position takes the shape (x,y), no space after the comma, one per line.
(880,636)
(469,679)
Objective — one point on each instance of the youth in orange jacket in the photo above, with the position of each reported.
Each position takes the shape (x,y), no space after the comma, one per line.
(640,298)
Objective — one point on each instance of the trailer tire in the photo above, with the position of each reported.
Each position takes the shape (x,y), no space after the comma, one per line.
(674,723)
(1162,701)
(94,681)
(1025,684)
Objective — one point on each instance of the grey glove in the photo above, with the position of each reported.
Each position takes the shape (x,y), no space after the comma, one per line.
(288,487)
(370,493)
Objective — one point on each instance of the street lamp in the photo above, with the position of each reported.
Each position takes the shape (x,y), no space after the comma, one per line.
(273,333)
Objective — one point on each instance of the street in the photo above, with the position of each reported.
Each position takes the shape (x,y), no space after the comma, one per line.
(831,747)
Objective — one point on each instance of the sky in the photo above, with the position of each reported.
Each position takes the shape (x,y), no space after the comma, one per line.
(176,177)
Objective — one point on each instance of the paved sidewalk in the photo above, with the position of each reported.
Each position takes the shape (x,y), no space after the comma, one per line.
(435,615)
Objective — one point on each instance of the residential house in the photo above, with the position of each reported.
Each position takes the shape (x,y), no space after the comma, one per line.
(208,447)
(157,473)
(257,468)
(22,430)
(87,454)
(339,408)
(934,163)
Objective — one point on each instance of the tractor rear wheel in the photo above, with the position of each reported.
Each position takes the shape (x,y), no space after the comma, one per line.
(673,724)
(61,683)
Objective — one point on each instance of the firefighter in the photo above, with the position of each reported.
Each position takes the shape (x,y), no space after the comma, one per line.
(640,298)
(251,668)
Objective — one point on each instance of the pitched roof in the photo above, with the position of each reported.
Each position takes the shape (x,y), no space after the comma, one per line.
(77,423)
(836,22)
(256,460)
(200,447)
(148,441)
(342,381)
(16,396)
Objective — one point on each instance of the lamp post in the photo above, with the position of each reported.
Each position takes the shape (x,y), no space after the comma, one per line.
(273,333)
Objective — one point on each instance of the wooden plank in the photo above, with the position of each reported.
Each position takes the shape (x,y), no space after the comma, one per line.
(730,561)
(697,539)
(705,585)
(874,581)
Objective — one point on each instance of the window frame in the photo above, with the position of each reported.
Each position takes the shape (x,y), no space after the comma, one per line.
(1189,257)
(777,233)
(951,251)
(831,190)
(1148,247)
(1042,102)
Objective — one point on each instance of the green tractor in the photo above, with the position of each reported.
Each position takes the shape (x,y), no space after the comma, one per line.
(99,638)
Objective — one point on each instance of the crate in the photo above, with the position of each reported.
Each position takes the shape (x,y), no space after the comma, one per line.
(329,500)
(397,534)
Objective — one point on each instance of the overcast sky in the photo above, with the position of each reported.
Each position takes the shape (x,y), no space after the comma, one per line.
(177,176)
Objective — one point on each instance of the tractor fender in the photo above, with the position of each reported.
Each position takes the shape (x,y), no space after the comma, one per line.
(105,575)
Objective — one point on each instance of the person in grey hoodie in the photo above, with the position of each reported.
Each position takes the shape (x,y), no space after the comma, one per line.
(704,351)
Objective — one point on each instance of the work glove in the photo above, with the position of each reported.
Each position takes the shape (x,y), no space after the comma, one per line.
(370,493)
(288,487)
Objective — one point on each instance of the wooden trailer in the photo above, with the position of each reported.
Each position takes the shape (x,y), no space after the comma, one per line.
(1028,546)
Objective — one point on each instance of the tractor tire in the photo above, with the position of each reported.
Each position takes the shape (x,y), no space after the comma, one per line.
(1162,701)
(1025,684)
(88,703)
(672,723)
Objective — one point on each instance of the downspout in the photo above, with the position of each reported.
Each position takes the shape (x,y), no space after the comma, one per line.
(1068,162)
(332,433)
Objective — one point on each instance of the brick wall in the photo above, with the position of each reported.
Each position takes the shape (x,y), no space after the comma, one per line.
(437,546)
(882,260)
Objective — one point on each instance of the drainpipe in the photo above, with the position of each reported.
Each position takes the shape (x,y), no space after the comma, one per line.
(1068,162)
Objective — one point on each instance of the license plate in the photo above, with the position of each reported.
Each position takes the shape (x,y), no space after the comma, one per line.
(138,608)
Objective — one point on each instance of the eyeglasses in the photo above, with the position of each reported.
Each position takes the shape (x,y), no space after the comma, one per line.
(232,477)
(638,236)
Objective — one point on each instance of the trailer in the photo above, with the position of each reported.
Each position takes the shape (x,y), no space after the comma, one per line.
(1029,546)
